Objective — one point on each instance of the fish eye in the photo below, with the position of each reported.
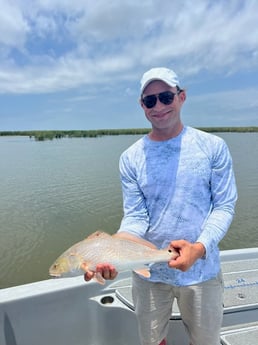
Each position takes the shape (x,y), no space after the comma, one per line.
(170,251)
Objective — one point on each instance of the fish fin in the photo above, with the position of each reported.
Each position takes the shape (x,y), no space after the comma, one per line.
(98,277)
(99,234)
(84,267)
(144,272)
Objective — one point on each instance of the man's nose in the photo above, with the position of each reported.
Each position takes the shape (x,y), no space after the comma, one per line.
(158,104)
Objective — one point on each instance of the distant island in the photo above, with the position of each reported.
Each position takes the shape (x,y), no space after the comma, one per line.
(58,134)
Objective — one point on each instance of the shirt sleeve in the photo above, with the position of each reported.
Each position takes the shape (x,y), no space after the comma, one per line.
(136,218)
(224,196)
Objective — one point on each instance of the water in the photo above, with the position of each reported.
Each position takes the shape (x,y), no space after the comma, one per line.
(55,193)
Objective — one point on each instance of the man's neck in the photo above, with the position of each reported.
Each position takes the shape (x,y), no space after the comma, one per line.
(165,134)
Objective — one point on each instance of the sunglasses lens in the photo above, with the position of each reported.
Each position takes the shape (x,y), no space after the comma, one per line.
(150,101)
(166,98)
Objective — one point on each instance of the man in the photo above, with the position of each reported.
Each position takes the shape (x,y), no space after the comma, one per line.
(178,190)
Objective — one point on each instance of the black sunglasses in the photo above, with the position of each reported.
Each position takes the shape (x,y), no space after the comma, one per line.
(165,97)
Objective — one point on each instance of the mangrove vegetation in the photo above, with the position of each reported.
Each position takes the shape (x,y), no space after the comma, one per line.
(58,134)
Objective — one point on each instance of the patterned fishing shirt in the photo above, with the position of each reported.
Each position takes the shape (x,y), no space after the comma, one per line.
(181,188)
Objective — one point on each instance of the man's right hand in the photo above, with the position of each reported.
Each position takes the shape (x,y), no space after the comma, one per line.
(106,270)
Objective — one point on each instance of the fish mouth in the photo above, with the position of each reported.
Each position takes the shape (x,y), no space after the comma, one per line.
(55,275)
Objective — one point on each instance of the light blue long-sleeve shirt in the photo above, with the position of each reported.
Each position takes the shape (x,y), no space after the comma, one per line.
(181,188)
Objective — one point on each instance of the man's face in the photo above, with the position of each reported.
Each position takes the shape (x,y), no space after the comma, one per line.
(162,116)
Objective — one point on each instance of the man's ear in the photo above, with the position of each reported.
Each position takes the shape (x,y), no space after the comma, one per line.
(182,95)
(141,103)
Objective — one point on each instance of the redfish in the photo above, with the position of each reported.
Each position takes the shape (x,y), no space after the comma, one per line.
(100,247)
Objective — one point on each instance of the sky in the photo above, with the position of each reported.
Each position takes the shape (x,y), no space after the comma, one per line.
(67,65)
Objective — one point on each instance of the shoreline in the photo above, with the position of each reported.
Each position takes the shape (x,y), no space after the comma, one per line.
(41,135)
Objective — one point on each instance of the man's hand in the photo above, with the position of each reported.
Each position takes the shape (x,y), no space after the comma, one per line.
(188,254)
(105,270)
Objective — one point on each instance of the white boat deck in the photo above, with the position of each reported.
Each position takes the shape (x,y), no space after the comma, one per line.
(246,334)
(240,326)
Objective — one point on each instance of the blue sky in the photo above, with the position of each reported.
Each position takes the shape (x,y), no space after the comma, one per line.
(76,64)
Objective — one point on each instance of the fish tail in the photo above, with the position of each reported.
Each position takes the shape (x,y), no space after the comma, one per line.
(144,272)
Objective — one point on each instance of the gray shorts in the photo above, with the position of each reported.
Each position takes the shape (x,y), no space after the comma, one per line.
(201,308)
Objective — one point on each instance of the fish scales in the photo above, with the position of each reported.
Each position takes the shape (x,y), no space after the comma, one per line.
(120,252)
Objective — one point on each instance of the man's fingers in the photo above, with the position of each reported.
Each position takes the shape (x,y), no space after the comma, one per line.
(107,271)
(88,276)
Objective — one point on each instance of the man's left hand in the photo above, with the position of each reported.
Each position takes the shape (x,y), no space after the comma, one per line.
(188,254)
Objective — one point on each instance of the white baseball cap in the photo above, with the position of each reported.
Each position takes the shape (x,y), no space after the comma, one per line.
(159,73)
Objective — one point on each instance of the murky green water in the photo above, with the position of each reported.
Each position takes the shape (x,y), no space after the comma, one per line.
(55,193)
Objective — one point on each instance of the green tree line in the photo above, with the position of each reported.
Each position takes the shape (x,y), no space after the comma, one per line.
(58,134)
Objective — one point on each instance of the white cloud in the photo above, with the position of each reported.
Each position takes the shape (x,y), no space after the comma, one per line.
(50,45)
(13,27)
